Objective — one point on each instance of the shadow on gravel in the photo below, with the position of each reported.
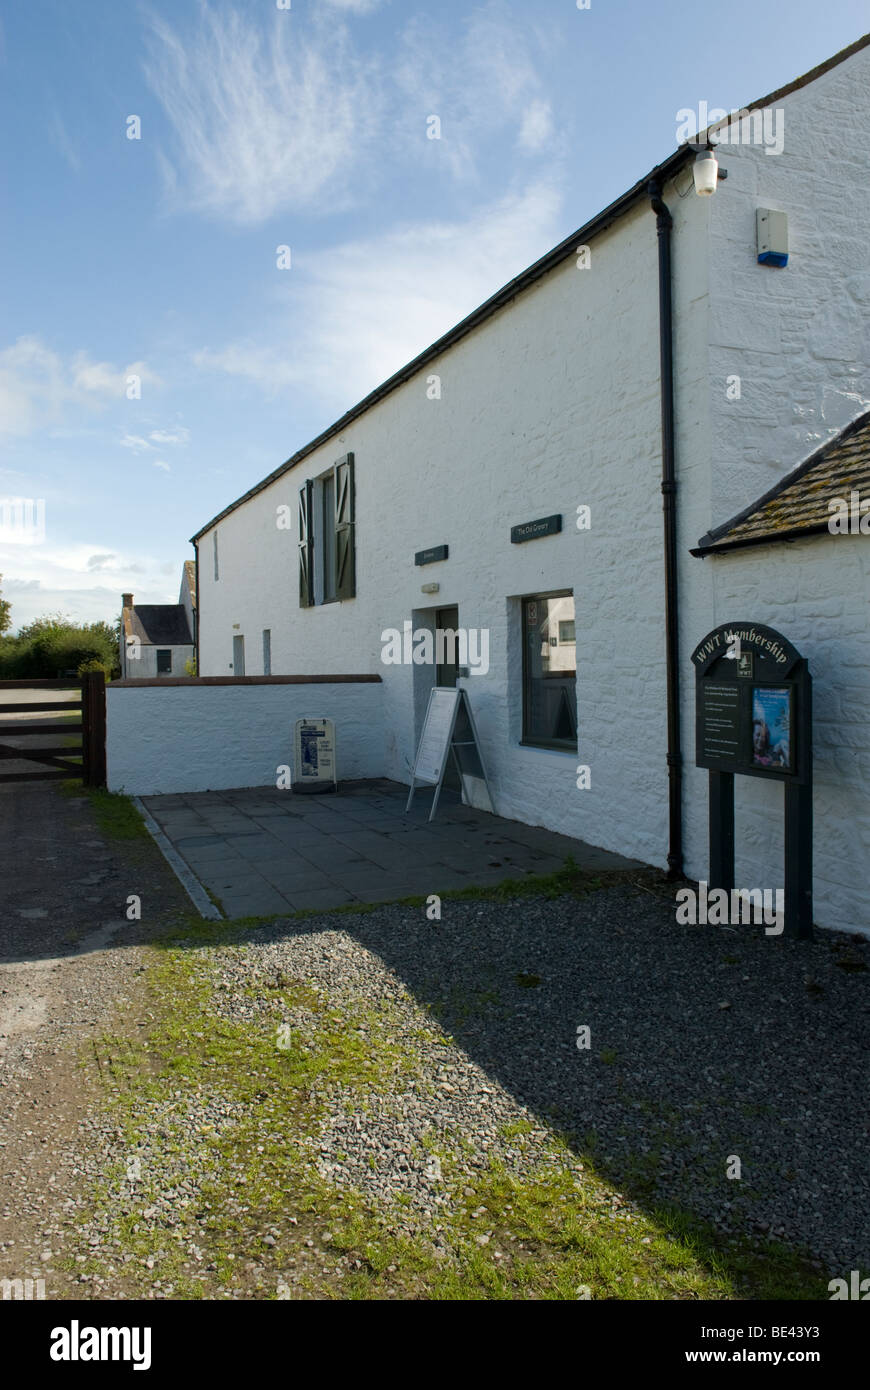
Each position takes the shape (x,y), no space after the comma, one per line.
(707,1044)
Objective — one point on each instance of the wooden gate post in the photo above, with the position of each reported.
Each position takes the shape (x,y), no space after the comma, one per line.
(94,731)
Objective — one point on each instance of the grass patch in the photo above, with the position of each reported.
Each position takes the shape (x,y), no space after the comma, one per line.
(239,1097)
(568,880)
(114,813)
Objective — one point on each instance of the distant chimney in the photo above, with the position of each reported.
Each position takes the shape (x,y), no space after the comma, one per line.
(127,600)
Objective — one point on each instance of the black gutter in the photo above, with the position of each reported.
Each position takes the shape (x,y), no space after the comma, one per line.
(797,533)
(664,226)
(196,611)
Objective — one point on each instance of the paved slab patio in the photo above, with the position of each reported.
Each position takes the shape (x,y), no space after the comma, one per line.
(261,850)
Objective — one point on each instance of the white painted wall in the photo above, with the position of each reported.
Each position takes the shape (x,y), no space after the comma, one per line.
(182,738)
(550,404)
(144,667)
(554,402)
(799,337)
(817,592)
(799,340)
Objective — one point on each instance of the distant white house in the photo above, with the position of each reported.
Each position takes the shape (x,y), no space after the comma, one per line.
(159,639)
(510,484)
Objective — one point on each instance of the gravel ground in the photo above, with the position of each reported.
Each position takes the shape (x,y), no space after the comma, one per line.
(389,1150)
(706,1042)
(70,963)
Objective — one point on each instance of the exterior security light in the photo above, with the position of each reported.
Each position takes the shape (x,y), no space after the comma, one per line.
(705,172)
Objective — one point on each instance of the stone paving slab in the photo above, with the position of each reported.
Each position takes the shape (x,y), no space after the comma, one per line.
(260,850)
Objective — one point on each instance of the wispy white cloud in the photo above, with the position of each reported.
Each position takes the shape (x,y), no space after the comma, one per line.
(59,134)
(355,6)
(262,120)
(37,385)
(537,125)
(161,463)
(83,580)
(102,379)
(272,116)
(369,307)
(485,85)
(179,435)
(135,443)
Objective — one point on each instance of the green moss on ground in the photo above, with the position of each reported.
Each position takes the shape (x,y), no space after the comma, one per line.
(554,1233)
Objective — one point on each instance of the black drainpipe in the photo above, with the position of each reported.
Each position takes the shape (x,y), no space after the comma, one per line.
(196,609)
(664,224)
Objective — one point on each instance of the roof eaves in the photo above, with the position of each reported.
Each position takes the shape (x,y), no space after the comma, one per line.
(597,224)
(705,547)
(717,533)
(497,301)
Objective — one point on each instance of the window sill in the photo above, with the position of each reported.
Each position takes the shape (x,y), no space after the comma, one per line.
(570,748)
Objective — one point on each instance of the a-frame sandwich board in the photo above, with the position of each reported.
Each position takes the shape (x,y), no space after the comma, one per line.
(438,742)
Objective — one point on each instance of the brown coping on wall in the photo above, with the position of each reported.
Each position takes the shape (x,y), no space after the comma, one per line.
(245,680)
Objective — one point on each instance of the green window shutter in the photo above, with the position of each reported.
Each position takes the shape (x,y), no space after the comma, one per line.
(306,548)
(345,550)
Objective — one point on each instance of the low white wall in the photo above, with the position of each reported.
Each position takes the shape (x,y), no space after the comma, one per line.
(185,738)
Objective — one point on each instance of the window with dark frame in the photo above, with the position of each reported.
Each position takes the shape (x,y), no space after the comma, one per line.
(164,661)
(327,537)
(549,671)
(327,552)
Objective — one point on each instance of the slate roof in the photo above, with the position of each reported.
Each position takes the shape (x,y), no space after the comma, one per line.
(158,624)
(798,504)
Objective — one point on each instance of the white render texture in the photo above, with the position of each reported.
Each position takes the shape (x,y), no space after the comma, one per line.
(553,402)
(144,667)
(798,338)
(186,738)
(816,591)
(537,414)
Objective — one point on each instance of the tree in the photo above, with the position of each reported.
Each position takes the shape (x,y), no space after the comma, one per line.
(5,613)
(55,643)
(48,626)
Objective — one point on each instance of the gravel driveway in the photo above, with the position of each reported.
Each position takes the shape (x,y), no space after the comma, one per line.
(707,1045)
(69,958)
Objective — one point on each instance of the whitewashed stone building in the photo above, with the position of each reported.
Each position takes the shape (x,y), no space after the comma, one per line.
(551,404)
(158,640)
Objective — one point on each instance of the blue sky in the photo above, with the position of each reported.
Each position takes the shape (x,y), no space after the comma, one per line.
(305,128)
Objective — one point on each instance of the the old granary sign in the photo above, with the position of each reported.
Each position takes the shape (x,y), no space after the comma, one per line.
(752,703)
(532,530)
